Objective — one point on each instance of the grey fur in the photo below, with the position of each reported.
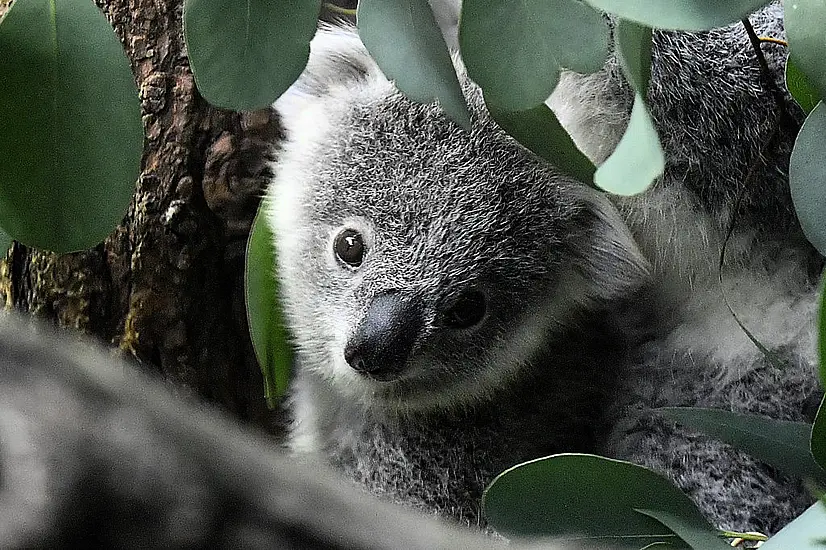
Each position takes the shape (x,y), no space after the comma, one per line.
(717,122)
(571,298)
(95,454)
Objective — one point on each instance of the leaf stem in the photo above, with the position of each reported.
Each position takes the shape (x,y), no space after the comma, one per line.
(339,10)
(750,535)
(772,40)
(767,353)
(766,73)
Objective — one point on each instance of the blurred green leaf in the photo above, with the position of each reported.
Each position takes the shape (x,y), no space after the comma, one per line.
(687,15)
(71,136)
(244,54)
(404,39)
(266,321)
(638,159)
(587,497)
(539,130)
(805,21)
(779,443)
(698,539)
(5,243)
(807,177)
(818,436)
(799,86)
(807,532)
(515,50)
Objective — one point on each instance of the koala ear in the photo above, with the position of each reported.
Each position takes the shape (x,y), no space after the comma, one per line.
(338,62)
(608,258)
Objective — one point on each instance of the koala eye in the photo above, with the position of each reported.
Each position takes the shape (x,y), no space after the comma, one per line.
(349,247)
(465,312)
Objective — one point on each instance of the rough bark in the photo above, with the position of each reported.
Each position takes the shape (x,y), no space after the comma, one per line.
(167,285)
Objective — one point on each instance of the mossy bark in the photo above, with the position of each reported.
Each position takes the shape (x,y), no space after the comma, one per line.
(166,286)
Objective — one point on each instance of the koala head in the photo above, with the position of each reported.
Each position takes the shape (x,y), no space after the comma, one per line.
(421,264)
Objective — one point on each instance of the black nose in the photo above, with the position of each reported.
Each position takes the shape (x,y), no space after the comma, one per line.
(384,339)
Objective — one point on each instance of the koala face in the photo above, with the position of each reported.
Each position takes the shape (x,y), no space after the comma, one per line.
(422,264)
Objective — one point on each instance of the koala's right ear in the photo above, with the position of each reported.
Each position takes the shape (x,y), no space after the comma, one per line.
(338,62)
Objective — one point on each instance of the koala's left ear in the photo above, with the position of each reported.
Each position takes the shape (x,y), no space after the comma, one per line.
(608,258)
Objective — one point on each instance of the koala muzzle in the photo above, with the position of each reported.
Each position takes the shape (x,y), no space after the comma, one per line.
(383,340)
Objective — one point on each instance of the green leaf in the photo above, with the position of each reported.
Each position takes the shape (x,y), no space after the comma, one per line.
(697,538)
(807,532)
(266,321)
(638,159)
(634,43)
(807,177)
(246,53)
(5,243)
(690,15)
(779,443)
(539,130)
(586,497)
(805,21)
(515,50)
(817,444)
(799,86)
(405,41)
(72,136)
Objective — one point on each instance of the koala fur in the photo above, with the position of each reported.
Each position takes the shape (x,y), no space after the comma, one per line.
(96,454)
(595,312)
(717,122)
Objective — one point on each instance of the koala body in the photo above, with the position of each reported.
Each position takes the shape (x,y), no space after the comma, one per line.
(459,306)
(727,144)
(453,299)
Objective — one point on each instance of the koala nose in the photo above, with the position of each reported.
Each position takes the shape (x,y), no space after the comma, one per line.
(384,339)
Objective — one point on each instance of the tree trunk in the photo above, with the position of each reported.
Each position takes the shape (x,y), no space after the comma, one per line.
(167,285)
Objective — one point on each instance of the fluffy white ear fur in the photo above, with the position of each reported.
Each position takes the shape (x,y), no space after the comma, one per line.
(613,264)
(337,60)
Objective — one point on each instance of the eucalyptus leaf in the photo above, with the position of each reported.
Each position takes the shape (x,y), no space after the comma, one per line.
(406,43)
(71,136)
(779,443)
(818,436)
(634,43)
(799,86)
(515,50)
(266,321)
(587,497)
(698,539)
(807,532)
(805,21)
(807,177)
(244,54)
(539,130)
(638,159)
(689,15)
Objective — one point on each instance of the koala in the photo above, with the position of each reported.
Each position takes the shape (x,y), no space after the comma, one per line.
(425,273)
(458,305)
(727,141)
